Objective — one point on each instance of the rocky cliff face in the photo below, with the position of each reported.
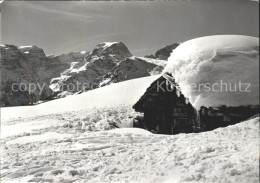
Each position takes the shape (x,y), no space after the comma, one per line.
(66,74)
(26,73)
(20,67)
(84,76)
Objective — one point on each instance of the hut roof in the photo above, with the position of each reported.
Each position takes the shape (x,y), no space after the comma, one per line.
(138,106)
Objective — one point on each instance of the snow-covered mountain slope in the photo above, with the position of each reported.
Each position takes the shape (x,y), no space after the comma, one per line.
(64,148)
(84,78)
(123,93)
(60,64)
(131,68)
(108,63)
(218,70)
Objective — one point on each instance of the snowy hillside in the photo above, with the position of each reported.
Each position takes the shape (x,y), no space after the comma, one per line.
(64,149)
(124,93)
(77,139)
(218,70)
(74,139)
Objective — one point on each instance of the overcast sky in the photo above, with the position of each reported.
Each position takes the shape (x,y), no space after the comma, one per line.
(62,27)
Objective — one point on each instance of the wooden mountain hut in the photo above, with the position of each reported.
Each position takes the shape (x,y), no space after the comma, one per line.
(165,109)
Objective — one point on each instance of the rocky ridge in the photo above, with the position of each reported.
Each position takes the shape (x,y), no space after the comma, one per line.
(67,74)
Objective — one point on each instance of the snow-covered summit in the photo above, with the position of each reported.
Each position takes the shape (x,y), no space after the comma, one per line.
(29,48)
(33,51)
(210,69)
(117,49)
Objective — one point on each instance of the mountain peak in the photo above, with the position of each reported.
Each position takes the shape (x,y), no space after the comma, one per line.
(32,49)
(108,44)
(117,49)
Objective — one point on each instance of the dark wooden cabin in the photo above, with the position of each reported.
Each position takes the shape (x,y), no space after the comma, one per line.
(165,109)
(222,116)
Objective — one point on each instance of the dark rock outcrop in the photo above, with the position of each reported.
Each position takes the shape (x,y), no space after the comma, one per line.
(26,73)
(164,53)
(21,75)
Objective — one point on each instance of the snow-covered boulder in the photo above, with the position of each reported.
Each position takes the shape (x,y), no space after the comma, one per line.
(217,70)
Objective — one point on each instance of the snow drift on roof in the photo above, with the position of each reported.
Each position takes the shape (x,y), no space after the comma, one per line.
(208,69)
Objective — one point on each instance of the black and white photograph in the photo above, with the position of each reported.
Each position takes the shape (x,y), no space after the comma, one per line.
(129,91)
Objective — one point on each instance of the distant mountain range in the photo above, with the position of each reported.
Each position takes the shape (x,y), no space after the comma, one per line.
(29,76)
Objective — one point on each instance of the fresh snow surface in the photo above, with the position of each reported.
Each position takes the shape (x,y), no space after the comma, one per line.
(72,148)
(209,61)
(129,131)
(123,93)
(36,138)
